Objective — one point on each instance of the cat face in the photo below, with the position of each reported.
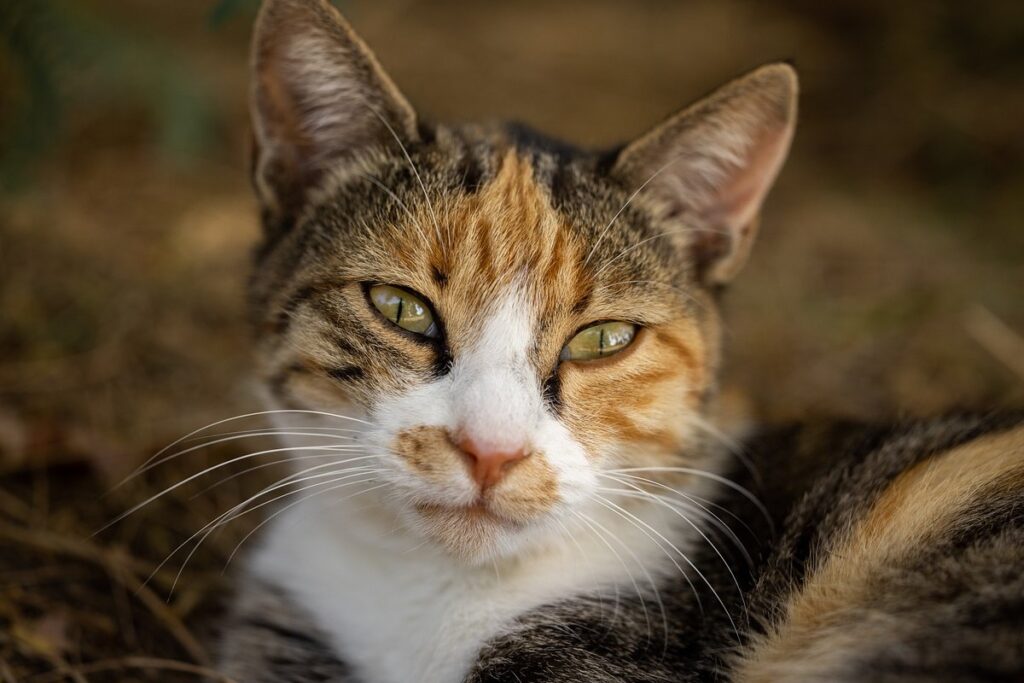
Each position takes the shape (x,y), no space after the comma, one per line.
(501,320)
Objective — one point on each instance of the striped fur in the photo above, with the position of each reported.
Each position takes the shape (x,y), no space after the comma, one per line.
(516,243)
(407,569)
(945,608)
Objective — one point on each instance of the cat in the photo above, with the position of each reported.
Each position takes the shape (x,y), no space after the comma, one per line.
(492,355)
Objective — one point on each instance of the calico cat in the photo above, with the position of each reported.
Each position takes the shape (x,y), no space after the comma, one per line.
(491,356)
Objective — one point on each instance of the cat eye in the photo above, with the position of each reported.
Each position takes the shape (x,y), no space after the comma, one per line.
(599,341)
(404,309)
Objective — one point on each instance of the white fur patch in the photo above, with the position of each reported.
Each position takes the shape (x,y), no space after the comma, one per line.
(399,608)
(398,611)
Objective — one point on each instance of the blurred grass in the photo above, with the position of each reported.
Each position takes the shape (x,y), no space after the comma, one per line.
(125,248)
(62,56)
(129,604)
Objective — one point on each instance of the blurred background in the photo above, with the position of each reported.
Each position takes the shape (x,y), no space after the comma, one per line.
(888,280)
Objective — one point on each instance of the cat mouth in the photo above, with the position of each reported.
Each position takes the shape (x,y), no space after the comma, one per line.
(479,511)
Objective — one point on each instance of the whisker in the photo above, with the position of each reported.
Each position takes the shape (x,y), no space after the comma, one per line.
(628,201)
(412,219)
(586,557)
(235,418)
(725,481)
(679,290)
(734,447)
(647,496)
(622,513)
(607,264)
(206,444)
(415,171)
(195,476)
(248,470)
(273,431)
(235,511)
(704,503)
(221,522)
(592,523)
(637,521)
(704,511)
(293,504)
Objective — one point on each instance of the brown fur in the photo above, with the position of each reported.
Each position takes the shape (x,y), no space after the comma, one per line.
(357,191)
(822,626)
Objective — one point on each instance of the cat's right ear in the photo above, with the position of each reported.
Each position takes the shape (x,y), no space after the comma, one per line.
(319,97)
(709,167)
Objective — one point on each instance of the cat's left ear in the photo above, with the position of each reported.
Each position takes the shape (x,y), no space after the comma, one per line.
(319,98)
(711,165)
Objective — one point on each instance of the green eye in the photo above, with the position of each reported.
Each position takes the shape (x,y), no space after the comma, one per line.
(404,309)
(599,341)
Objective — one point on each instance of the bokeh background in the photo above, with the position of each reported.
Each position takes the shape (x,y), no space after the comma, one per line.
(888,279)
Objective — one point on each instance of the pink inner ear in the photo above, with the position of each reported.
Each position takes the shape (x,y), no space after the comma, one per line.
(738,197)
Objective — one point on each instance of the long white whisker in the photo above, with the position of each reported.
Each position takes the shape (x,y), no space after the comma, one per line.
(605,266)
(628,201)
(586,558)
(293,504)
(295,478)
(248,470)
(412,218)
(701,473)
(644,495)
(686,559)
(257,413)
(592,523)
(186,480)
(272,431)
(415,171)
(220,522)
(678,290)
(732,445)
(704,503)
(704,511)
(226,516)
(235,437)
(622,513)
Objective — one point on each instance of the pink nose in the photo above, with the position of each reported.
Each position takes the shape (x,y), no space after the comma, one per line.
(489,465)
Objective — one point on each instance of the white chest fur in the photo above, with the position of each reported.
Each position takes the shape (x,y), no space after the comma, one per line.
(400,613)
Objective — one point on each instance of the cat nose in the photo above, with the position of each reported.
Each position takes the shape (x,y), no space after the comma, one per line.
(488,465)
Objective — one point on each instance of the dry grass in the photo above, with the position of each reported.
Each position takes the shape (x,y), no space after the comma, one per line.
(79,605)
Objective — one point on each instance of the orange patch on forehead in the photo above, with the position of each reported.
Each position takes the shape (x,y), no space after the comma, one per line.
(506,235)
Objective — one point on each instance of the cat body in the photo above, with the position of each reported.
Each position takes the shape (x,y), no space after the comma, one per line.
(393,619)
(489,358)
(946,606)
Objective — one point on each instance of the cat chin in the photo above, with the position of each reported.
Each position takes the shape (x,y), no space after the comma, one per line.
(475,535)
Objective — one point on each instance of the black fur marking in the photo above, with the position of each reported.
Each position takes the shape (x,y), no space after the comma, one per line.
(552,392)
(345,345)
(527,139)
(443,363)
(291,634)
(440,277)
(283,319)
(581,305)
(561,183)
(346,373)
(280,379)
(472,177)
(427,132)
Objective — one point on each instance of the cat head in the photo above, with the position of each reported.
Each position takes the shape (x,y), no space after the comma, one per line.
(502,320)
